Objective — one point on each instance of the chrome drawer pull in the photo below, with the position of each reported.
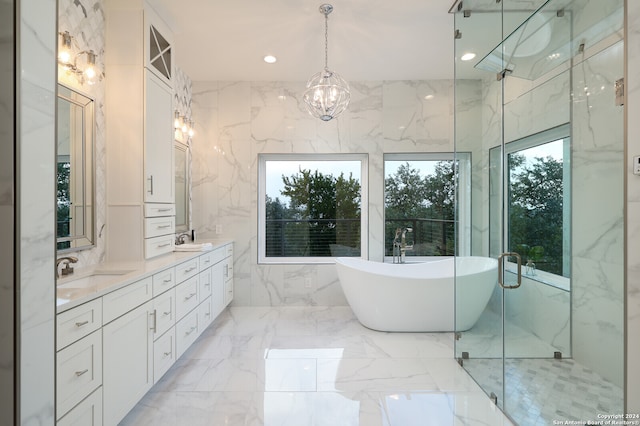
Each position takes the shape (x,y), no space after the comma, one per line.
(168,280)
(186,271)
(163,245)
(190,331)
(155,321)
(163,226)
(164,210)
(190,296)
(166,354)
(166,313)
(80,324)
(80,373)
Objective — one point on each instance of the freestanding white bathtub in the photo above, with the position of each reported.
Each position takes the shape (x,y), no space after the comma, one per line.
(418,297)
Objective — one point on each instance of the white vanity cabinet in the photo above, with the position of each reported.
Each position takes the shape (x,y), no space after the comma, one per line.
(128,362)
(114,348)
(79,364)
(228,280)
(87,413)
(140,154)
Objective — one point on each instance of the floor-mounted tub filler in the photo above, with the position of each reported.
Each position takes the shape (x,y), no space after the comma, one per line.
(418,297)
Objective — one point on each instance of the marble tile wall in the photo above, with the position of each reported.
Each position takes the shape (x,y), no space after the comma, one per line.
(597,281)
(239,120)
(84,19)
(8,288)
(597,296)
(36,100)
(632,46)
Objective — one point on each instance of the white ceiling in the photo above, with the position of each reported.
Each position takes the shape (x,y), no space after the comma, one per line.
(368,39)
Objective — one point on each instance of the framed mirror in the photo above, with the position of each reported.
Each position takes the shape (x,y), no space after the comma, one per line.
(75,171)
(183,186)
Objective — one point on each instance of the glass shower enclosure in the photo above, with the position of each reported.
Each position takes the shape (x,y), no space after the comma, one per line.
(538,108)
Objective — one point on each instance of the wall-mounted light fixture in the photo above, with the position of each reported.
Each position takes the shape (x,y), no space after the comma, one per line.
(82,64)
(184,127)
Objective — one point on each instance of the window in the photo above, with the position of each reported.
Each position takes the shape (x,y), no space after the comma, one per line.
(313,207)
(537,202)
(420,202)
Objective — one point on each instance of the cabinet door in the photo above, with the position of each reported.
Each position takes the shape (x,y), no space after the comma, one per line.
(217,289)
(158,141)
(228,280)
(127,362)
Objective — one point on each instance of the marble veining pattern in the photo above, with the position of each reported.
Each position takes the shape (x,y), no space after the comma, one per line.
(538,391)
(314,366)
(632,47)
(34,237)
(244,119)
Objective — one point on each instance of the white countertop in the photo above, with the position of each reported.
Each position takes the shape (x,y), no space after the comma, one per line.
(107,277)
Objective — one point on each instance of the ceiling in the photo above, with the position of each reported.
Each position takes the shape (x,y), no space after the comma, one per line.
(226,40)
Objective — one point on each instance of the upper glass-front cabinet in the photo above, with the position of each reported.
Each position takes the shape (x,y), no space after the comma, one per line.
(158,47)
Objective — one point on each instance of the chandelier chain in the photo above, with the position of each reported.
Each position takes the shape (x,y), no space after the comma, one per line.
(326,41)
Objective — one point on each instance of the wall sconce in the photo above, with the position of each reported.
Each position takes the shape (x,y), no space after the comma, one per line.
(82,64)
(184,127)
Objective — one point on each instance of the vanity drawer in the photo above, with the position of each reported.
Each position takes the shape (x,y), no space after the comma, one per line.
(205,314)
(156,210)
(186,297)
(125,299)
(186,332)
(163,281)
(164,354)
(156,246)
(156,226)
(87,413)
(205,284)
(74,324)
(164,308)
(217,255)
(187,270)
(206,260)
(228,268)
(78,371)
(228,292)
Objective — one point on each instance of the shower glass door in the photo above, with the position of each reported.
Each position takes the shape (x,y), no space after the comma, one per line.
(538,113)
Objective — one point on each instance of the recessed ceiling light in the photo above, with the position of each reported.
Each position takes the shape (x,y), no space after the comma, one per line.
(468,56)
(270,59)
(429,97)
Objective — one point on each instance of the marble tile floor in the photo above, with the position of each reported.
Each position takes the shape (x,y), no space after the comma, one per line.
(540,391)
(312,366)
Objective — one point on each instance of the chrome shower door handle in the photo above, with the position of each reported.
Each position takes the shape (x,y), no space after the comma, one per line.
(501,271)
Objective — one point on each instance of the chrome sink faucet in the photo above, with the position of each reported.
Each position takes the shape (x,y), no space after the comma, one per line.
(182,238)
(67,269)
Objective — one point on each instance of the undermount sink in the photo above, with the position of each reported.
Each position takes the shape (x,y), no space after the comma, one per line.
(96,278)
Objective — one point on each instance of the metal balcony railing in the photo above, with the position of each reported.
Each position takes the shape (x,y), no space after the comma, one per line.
(341,237)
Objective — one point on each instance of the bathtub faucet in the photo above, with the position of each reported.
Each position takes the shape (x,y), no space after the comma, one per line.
(400,245)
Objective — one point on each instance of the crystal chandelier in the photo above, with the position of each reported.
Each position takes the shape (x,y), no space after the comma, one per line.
(327,94)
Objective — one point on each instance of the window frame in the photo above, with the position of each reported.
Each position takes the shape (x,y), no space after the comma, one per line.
(462,217)
(262,188)
(561,132)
